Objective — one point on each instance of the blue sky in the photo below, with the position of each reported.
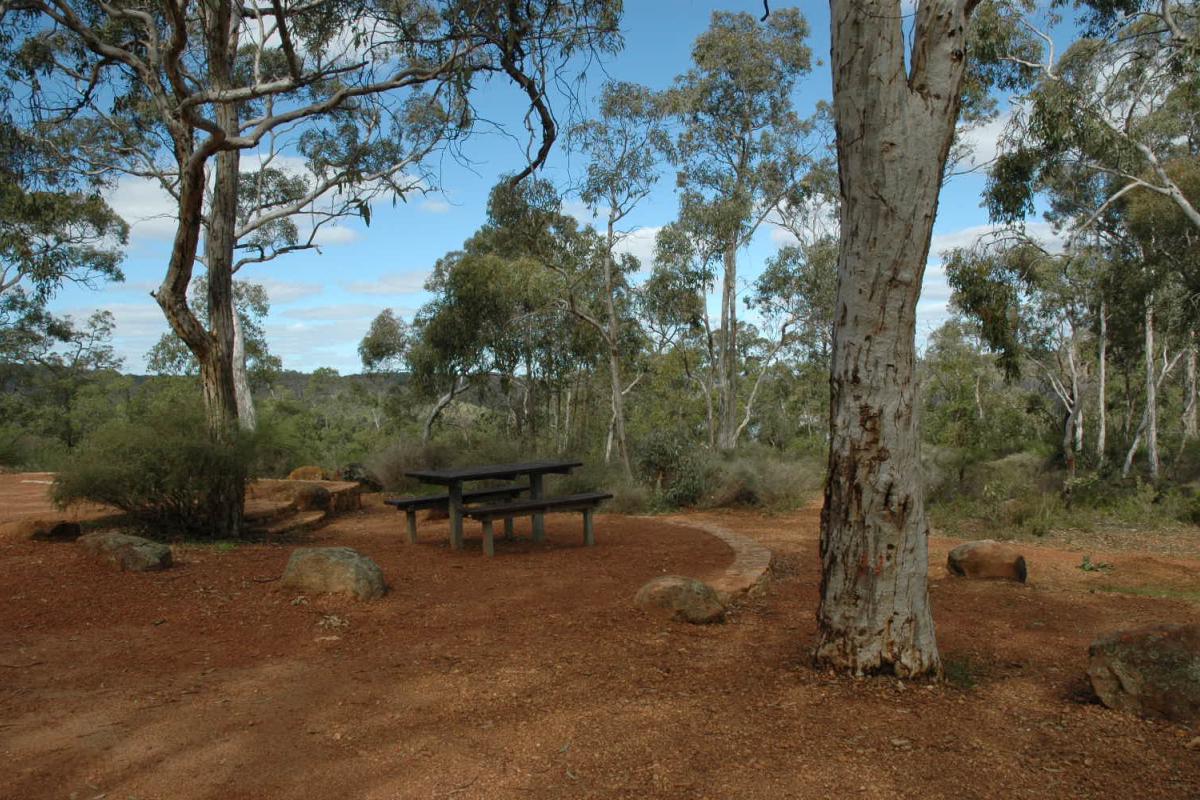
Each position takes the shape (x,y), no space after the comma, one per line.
(323,302)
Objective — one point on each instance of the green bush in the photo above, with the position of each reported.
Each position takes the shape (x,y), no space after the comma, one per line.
(161,469)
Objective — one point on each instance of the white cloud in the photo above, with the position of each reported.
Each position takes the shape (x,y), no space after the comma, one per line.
(966,237)
(640,243)
(395,283)
(435,206)
(340,312)
(137,327)
(286,291)
(582,214)
(984,142)
(152,214)
(336,235)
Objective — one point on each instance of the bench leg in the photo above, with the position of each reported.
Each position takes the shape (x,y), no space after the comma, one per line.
(589,535)
(508,528)
(410,523)
(539,521)
(489,549)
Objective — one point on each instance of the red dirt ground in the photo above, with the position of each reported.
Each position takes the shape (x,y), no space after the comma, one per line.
(531,676)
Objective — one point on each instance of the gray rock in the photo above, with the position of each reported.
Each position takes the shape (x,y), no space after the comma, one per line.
(677,597)
(1152,671)
(125,552)
(987,559)
(334,570)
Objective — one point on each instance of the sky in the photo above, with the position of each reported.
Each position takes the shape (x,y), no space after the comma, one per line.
(323,302)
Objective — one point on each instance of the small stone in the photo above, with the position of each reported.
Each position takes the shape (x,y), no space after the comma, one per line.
(334,570)
(1193,744)
(1152,671)
(126,553)
(901,744)
(987,559)
(685,599)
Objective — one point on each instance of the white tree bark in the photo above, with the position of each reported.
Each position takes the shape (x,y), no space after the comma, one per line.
(247,417)
(894,129)
(1151,394)
(1189,408)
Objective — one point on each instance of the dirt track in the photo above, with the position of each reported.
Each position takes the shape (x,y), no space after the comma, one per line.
(531,676)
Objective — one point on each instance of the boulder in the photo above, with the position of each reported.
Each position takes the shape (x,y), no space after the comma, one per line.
(41,530)
(987,559)
(334,570)
(357,473)
(684,599)
(311,497)
(306,474)
(1152,671)
(126,553)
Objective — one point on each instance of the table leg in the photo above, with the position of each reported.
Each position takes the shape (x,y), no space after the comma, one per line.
(456,520)
(489,549)
(589,536)
(508,528)
(410,520)
(539,521)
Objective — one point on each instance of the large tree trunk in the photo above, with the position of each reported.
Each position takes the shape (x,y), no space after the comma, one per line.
(893,136)
(727,401)
(228,494)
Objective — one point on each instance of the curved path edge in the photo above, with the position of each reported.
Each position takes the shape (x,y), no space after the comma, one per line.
(750,571)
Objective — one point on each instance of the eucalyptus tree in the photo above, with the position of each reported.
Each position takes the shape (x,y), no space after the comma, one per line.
(623,146)
(1121,102)
(178,91)
(170,356)
(741,152)
(55,225)
(1034,309)
(895,119)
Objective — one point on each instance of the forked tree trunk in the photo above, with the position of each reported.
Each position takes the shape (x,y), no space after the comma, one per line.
(893,136)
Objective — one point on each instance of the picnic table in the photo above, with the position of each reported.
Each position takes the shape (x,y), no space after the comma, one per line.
(455,477)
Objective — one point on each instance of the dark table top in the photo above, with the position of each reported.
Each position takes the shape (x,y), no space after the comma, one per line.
(481,472)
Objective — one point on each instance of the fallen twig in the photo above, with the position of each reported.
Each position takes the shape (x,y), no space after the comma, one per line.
(22,666)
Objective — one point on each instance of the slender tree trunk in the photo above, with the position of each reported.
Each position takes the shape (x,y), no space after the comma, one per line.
(1102,390)
(438,408)
(1151,394)
(247,417)
(613,340)
(893,136)
(1189,409)
(727,401)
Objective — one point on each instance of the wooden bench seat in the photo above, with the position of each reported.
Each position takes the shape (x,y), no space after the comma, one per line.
(411,505)
(585,503)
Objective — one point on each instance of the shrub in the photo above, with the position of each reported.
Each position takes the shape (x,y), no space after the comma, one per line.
(388,466)
(162,470)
